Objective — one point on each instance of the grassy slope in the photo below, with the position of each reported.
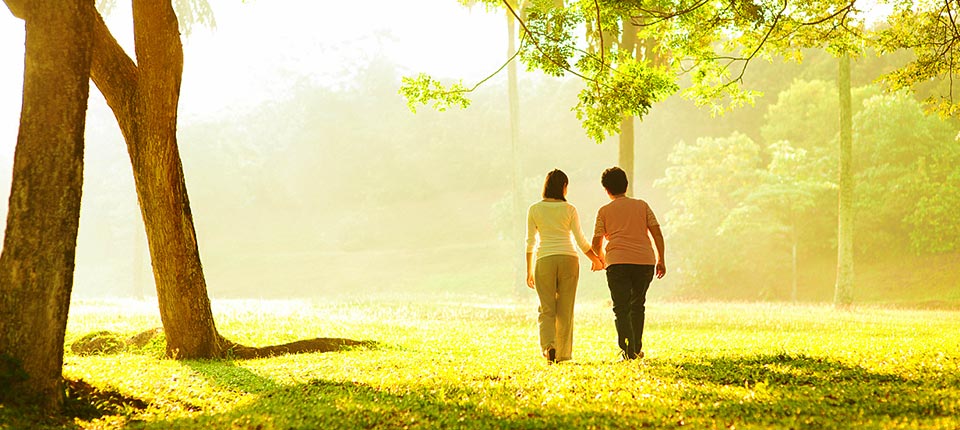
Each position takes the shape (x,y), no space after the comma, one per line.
(453,365)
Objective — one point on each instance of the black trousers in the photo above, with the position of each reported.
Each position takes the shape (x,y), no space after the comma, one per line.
(628,285)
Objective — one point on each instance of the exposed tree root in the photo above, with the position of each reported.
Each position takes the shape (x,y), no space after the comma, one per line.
(320,344)
(104,342)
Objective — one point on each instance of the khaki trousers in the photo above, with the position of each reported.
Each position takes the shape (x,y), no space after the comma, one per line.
(556,281)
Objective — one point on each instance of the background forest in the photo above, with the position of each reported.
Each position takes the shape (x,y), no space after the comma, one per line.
(328,190)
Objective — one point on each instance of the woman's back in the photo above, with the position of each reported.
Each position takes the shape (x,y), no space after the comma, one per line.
(554,221)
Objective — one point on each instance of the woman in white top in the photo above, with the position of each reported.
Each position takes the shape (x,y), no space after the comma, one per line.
(556,270)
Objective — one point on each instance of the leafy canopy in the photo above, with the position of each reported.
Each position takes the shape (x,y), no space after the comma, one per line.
(709,41)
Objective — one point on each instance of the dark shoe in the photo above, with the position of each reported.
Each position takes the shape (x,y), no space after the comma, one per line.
(551,356)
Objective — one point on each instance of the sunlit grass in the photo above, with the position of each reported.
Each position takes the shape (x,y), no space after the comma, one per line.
(475,364)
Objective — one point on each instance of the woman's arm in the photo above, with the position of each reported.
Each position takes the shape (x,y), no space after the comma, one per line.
(597,249)
(586,247)
(658,241)
(530,281)
(531,242)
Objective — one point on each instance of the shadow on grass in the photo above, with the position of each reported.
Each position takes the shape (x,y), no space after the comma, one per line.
(765,391)
(324,404)
(809,391)
(228,375)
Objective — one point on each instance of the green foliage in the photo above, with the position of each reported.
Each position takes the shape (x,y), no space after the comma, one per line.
(712,42)
(905,176)
(469,363)
(425,90)
(904,160)
(550,49)
(705,182)
(631,89)
(933,220)
(799,106)
(790,189)
(929,30)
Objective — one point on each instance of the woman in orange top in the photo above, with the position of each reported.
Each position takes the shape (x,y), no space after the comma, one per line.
(628,225)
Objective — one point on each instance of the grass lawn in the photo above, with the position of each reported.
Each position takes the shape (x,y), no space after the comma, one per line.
(475,364)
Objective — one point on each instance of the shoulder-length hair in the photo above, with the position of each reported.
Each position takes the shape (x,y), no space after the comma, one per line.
(553,186)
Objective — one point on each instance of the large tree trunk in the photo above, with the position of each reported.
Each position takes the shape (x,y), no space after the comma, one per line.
(843,294)
(36,267)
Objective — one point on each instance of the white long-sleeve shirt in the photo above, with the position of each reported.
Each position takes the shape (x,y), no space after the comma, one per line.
(554,222)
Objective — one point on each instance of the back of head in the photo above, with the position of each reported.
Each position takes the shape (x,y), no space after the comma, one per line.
(553,185)
(614,180)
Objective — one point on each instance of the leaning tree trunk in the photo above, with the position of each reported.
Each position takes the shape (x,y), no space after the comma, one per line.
(36,267)
(144,98)
(158,174)
(843,294)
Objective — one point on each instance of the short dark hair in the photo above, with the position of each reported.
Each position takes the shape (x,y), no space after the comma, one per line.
(553,186)
(614,180)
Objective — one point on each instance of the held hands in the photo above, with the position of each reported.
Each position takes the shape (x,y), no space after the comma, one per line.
(596,263)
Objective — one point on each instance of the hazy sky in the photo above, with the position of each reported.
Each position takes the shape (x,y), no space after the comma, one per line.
(260,47)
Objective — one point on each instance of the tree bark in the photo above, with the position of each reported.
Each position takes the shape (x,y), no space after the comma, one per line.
(144,98)
(158,174)
(628,43)
(36,267)
(843,293)
(794,264)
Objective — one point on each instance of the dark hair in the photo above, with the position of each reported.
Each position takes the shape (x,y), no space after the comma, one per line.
(614,180)
(553,186)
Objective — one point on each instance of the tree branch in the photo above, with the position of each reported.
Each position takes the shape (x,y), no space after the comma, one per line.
(763,41)
(661,16)
(537,45)
(844,11)
(482,81)
(603,46)
(113,72)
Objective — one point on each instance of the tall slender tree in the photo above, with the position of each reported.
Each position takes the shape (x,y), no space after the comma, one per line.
(628,139)
(643,51)
(513,97)
(843,293)
(36,267)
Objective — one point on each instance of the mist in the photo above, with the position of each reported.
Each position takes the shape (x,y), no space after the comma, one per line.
(309,177)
